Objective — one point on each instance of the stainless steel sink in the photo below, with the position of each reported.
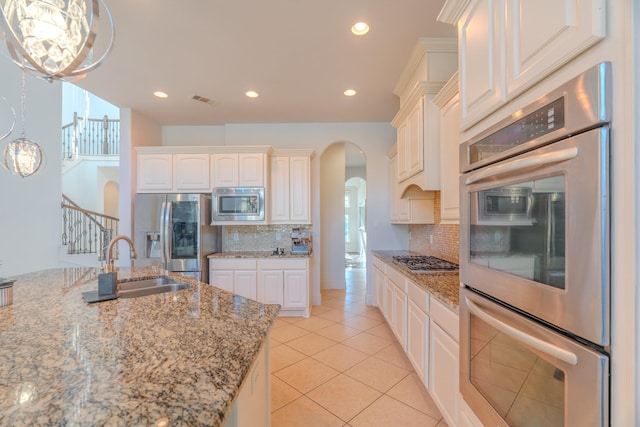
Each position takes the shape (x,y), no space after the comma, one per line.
(157,285)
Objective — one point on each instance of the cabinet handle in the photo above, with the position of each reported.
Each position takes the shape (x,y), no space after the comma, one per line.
(526,339)
(526,162)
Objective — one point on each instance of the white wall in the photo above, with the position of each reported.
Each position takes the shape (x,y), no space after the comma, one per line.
(375,139)
(89,174)
(30,225)
(77,100)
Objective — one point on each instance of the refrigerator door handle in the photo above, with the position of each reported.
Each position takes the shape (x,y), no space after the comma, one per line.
(167,234)
(163,235)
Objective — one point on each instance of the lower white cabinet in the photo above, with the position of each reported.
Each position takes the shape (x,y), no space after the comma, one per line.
(400,316)
(253,404)
(283,281)
(418,341)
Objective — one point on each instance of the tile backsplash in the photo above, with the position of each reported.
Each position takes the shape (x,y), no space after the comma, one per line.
(259,237)
(439,240)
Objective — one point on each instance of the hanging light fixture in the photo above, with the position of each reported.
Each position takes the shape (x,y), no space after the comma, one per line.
(7,118)
(22,156)
(54,39)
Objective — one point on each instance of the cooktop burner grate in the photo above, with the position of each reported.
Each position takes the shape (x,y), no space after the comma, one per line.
(424,263)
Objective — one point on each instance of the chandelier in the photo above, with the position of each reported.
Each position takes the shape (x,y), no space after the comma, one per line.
(54,39)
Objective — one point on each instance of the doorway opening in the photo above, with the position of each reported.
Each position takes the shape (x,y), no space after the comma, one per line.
(355,223)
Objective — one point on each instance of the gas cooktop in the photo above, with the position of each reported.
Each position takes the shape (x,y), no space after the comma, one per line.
(425,264)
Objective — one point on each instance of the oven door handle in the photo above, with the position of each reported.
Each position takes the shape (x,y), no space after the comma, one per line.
(518,335)
(523,163)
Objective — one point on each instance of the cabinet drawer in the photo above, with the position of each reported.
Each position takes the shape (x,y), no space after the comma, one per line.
(397,278)
(283,264)
(232,264)
(446,318)
(418,296)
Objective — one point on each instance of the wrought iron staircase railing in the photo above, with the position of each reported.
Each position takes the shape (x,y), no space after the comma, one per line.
(86,232)
(90,137)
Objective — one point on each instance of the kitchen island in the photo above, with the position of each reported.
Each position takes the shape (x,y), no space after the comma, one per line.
(175,358)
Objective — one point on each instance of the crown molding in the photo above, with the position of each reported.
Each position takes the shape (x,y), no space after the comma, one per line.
(289,152)
(452,11)
(420,89)
(448,91)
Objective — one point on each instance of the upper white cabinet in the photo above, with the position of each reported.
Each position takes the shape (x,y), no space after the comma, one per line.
(417,121)
(449,103)
(290,186)
(155,172)
(191,172)
(238,170)
(416,208)
(506,46)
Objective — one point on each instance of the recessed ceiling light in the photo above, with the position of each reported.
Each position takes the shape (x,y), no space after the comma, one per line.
(160,94)
(252,94)
(350,92)
(360,28)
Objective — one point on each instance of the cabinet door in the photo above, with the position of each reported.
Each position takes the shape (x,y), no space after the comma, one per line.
(398,208)
(222,279)
(251,169)
(245,284)
(191,172)
(155,172)
(279,194)
(300,189)
(402,170)
(481,60)
(415,146)
(224,170)
(542,35)
(399,316)
(449,157)
(296,292)
(271,287)
(418,341)
(378,286)
(253,402)
(444,373)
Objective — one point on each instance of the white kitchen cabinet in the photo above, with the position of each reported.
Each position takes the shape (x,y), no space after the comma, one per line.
(378,281)
(448,101)
(191,172)
(234,275)
(252,407)
(285,281)
(444,361)
(399,316)
(290,187)
(418,208)
(507,46)
(238,170)
(155,172)
(410,143)
(418,331)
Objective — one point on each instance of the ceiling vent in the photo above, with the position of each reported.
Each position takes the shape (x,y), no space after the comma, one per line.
(204,100)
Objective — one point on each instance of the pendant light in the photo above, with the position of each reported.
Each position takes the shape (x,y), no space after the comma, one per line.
(7,118)
(22,156)
(55,39)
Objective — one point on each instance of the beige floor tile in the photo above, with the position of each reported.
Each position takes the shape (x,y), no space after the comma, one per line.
(359,297)
(317,309)
(336,315)
(386,412)
(344,396)
(356,307)
(377,373)
(340,357)
(283,356)
(304,412)
(311,343)
(374,313)
(411,391)
(382,330)
(395,355)
(442,423)
(338,303)
(360,322)
(313,323)
(367,343)
(306,375)
(287,333)
(338,332)
(333,292)
(282,393)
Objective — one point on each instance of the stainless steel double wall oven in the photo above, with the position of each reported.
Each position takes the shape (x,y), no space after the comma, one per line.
(534,241)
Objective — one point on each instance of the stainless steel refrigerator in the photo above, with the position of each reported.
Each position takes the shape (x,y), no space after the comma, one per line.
(173,231)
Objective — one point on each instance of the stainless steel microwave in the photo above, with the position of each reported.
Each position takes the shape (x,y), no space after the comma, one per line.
(238,204)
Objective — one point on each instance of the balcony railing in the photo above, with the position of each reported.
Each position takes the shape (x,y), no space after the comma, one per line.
(86,232)
(90,137)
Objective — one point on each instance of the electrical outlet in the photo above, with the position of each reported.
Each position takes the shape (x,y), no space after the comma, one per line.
(278,235)
(236,237)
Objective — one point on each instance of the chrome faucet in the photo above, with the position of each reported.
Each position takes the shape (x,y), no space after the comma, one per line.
(133,254)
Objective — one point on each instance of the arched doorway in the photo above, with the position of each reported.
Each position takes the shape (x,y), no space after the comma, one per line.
(111,194)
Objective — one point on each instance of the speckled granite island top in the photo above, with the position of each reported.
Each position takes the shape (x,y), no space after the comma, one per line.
(444,286)
(177,358)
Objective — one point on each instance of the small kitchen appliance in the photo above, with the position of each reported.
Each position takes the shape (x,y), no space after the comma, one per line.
(300,242)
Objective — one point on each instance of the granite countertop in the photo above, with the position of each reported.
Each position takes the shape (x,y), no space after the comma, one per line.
(443,286)
(177,358)
(256,254)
